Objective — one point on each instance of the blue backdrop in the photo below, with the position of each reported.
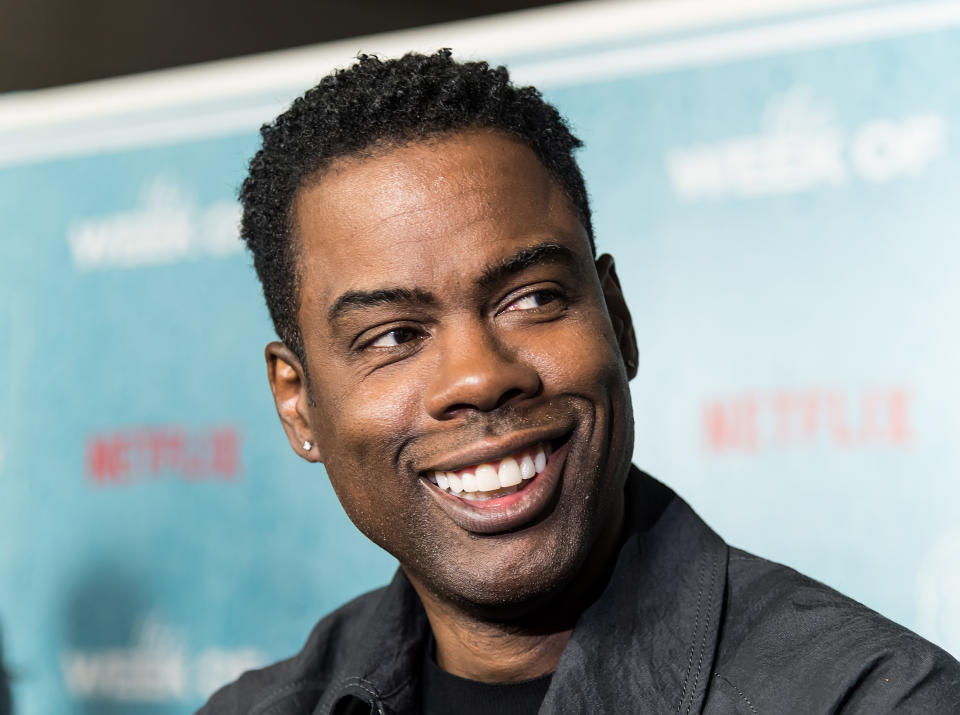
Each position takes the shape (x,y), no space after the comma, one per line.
(778,188)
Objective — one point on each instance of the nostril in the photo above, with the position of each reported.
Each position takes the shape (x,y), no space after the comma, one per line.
(506,398)
(510,395)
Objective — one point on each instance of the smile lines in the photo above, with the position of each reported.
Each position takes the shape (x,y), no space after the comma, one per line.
(494,479)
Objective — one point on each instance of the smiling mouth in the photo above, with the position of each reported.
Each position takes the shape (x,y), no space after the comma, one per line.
(498,478)
(484,506)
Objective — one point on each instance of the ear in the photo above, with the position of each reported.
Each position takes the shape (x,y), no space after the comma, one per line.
(289,386)
(619,313)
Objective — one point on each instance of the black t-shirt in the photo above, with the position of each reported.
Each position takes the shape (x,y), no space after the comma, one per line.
(444,694)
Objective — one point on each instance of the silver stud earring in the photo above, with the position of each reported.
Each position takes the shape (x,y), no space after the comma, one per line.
(307,446)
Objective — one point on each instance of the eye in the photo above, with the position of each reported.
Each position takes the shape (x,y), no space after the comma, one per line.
(532,301)
(394,338)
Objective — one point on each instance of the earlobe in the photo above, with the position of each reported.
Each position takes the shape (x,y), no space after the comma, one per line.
(619,313)
(289,386)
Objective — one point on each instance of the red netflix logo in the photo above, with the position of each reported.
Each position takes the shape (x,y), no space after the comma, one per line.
(778,419)
(127,456)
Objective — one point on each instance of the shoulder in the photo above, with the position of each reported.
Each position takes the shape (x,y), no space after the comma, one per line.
(298,682)
(790,642)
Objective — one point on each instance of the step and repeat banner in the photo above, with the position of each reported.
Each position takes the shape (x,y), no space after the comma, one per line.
(778,185)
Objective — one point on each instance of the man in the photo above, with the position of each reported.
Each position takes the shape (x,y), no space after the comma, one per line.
(457,358)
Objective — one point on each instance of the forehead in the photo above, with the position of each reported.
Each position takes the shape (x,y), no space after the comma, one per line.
(416,212)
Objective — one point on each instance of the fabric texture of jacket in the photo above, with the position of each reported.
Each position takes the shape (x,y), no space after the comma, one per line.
(686,624)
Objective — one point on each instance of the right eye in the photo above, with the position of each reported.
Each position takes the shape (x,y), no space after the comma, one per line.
(394,338)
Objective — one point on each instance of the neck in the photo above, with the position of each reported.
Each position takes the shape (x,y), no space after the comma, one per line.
(494,653)
(509,650)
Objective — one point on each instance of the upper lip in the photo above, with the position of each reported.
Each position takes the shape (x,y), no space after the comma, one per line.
(492,449)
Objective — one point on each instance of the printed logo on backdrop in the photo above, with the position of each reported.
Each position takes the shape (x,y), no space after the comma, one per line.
(938,592)
(801,147)
(128,456)
(760,420)
(156,666)
(166,226)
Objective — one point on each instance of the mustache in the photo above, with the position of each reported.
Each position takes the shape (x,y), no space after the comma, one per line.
(506,420)
(498,423)
(420,446)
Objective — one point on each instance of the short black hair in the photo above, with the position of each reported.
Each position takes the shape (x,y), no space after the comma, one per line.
(375,103)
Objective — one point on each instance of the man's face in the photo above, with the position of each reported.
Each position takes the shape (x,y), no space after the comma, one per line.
(453,320)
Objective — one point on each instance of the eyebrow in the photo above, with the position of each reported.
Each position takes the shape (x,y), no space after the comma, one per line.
(523,259)
(355,299)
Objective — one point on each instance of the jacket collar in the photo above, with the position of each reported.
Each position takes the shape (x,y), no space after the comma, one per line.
(647,641)
(384,668)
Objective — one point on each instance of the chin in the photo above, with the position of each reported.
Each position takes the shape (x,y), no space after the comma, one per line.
(515,579)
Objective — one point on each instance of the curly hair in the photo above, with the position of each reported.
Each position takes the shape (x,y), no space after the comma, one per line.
(377,102)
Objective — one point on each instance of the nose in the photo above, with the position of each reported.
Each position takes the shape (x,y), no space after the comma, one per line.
(477,372)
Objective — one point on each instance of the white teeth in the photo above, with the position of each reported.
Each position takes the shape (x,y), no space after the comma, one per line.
(469,482)
(540,460)
(487,478)
(527,469)
(509,474)
(478,482)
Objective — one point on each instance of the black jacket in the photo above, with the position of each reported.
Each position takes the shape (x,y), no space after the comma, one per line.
(685,625)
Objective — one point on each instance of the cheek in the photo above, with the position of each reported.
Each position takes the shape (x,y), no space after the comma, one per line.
(362,420)
(365,432)
(582,359)
(362,425)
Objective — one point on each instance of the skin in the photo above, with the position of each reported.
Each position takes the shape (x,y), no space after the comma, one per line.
(463,351)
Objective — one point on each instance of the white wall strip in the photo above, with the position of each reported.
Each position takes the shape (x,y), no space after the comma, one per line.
(60,145)
(528,32)
(37,126)
(848,28)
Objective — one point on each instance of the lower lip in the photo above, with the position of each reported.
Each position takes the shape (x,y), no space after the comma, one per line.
(506,513)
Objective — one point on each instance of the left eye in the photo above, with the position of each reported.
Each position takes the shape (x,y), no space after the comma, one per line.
(534,300)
